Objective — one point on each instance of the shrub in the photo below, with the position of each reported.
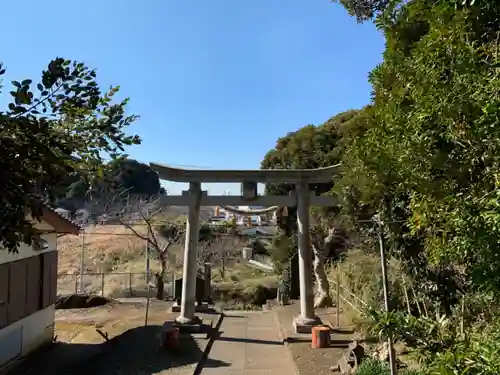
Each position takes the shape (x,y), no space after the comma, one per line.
(439,345)
(373,367)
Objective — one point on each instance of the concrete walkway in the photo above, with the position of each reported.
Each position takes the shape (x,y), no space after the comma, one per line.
(250,344)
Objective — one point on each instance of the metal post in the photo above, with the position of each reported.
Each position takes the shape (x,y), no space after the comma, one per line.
(102,284)
(148,287)
(76,284)
(130,284)
(82,259)
(338,296)
(146,262)
(383,265)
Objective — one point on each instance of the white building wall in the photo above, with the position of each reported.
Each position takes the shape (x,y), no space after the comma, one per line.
(29,333)
(26,251)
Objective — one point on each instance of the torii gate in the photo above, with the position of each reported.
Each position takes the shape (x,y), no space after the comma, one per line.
(302,197)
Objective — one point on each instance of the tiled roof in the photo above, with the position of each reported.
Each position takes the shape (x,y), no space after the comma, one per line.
(59,222)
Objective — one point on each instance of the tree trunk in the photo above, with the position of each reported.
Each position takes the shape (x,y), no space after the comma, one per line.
(160,286)
(223,267)
(323,293)
(323,298)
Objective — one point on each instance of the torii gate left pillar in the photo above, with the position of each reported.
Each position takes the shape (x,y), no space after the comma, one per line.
(302,198)
(307,317)
(189,269)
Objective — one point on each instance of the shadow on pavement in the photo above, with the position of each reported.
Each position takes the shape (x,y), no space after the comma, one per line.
(343,331)
(136,351)
(292,340)
(249,341)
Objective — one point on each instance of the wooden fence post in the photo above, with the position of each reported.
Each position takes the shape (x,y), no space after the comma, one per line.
(102,284)
(130,284)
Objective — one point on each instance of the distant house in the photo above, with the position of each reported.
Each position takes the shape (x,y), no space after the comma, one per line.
(28,287)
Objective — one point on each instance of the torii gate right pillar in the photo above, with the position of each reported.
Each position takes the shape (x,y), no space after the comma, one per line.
(307,318)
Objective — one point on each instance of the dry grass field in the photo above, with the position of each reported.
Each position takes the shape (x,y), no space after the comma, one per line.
(116,252)
(110,249)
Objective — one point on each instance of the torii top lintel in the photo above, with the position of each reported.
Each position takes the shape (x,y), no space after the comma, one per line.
(318,175)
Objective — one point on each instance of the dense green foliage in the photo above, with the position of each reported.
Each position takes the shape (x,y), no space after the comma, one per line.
(425,156)
(429,165)
(62,125)
(122,176)
(309,147)
(429,158)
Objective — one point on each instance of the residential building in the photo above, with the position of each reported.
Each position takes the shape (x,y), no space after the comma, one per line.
(28,288)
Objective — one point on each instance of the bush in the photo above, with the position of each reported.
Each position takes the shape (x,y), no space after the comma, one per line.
(361,275)
(373,367)
(439,345)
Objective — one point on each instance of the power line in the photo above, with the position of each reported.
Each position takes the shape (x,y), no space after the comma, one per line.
(189,166)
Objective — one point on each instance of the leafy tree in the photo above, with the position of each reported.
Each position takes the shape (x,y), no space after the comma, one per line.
(310,147)
(130,175)
(307,148)
(428,161)
(64,124)
(365,10)
(121,174)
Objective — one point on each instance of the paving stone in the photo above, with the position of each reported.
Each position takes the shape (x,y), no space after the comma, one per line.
(250,344)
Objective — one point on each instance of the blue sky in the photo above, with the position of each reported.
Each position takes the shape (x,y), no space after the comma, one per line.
(215,82)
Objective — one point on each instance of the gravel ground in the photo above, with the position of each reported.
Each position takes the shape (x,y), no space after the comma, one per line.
(313,361)
(135,352)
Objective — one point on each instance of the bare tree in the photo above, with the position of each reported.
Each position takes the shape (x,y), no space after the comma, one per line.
(146,218)
(219,252)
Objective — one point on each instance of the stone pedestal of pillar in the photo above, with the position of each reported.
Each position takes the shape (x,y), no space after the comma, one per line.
(188,296)
(307,318)
(305,325)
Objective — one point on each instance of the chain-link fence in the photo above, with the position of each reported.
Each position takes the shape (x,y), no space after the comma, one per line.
(112,261)
(113,284)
